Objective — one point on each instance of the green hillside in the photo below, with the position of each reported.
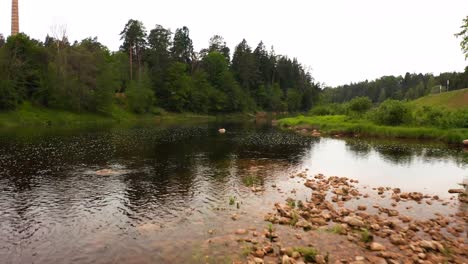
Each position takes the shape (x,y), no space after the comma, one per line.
(457,99)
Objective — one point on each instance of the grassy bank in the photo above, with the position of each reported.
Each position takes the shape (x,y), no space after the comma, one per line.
(31,115)
(341,124)
(452,100)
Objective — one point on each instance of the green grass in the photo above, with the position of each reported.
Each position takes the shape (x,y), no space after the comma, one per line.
(453,100)
(341,124)
(28,114)
(309,253)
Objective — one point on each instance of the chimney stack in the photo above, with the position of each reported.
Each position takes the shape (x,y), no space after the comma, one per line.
(14,18)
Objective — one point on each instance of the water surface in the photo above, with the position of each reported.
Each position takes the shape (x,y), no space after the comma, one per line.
(171,184)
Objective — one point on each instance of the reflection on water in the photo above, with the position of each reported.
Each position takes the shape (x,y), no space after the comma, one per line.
(139,194)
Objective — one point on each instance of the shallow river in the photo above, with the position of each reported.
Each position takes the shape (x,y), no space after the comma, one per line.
(158,193)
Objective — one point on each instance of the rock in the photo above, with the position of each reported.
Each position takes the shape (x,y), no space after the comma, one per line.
(360,258)
(234,217)
(286,260)
(320,259)
(222,131)
(374,246)
(362,207)
(353,221)
(268,249)
(286,251)
(284,221)
(416,196)
(296,255)
(259,253)
(241,231)
(456,191)
(397,239)
(303,224)
(431,245)
(465,142)
(318,221)
(258,261)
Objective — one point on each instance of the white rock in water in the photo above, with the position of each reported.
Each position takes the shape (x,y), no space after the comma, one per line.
(222,130)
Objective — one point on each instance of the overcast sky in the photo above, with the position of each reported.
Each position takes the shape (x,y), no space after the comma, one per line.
(340,40)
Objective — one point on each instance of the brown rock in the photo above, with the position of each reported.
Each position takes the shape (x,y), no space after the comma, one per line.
(456,191)
(374,246)
(362,207)
(353,221)
(241,231)
(397,239)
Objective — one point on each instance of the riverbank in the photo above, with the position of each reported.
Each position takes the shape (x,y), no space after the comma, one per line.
(30,115)
(372,225)
(341,125)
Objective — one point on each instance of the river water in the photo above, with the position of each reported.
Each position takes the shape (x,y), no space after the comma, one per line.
(159,193)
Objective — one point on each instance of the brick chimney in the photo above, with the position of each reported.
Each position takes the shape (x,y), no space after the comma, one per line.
(14,18)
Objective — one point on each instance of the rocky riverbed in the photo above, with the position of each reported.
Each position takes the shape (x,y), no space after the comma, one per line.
(344,222)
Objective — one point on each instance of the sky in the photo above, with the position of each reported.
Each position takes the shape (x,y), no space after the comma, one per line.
(339,41)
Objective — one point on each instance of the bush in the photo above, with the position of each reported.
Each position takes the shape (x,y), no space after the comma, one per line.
(140,97)
(440,117)
(360,104)
(328,109)
(8,96)
(392,113)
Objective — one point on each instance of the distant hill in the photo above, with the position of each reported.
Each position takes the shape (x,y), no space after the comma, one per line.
(457,99)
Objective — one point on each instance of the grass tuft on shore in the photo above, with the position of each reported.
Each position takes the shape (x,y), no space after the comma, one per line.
(342,124)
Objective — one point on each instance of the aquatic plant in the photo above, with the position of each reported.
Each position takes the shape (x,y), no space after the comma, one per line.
(309,253)
(294,218)
(232,200)
(291,202)
(366,236)
(336,229)
(250,180)
(300,204)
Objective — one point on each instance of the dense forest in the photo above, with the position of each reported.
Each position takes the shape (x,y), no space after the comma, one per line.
(408,87)
(152,70)
(160,69)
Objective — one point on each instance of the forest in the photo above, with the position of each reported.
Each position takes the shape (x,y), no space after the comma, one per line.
(152,70)
(408,87)
(159,70)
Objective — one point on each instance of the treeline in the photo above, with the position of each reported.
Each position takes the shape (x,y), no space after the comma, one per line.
(152,70)
(408,87)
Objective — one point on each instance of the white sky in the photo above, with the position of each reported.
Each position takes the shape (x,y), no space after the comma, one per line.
(340,40)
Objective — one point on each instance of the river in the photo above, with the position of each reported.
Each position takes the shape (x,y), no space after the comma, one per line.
(160,193)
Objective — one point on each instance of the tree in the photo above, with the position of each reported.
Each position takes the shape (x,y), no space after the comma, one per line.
(463,34)
(243,66)
(2,40)
(158,55)
(140,96)
(182,49)
(178,88)
(217,44)
(134,42)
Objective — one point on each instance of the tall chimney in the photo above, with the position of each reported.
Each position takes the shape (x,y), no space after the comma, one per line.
(14,18)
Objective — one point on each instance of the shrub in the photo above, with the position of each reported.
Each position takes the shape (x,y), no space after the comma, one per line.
(328,109)
(360,104)
(392,113)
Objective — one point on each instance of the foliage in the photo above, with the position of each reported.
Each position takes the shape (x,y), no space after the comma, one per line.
(140,96)
(360,104)
(85,77)
(309,253)
(392,113)
(463,34)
